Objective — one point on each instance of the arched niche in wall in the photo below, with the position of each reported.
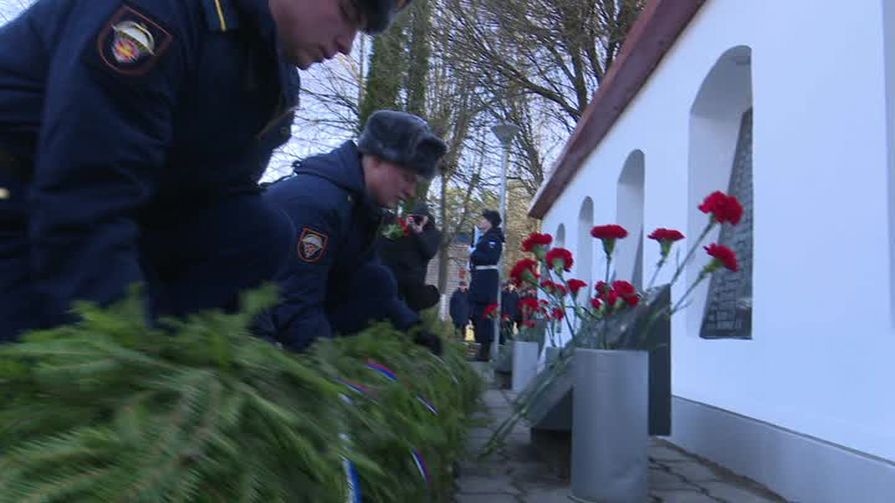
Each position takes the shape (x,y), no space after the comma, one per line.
(720,158)
(629,214)
(584,255)
(559,239)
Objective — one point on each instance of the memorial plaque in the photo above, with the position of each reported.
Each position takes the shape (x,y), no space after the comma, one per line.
(728,307)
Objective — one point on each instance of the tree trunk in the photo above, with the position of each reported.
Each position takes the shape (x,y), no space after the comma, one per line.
(444,246)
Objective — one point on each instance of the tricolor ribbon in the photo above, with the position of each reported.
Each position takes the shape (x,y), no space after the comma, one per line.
(382,369)
(428,405)
(420,465)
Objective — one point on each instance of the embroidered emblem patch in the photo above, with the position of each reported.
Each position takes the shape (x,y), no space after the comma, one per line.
(131,43)
(311,245)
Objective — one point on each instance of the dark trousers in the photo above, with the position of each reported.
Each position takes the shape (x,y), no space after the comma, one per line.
(203,259)
(483,327)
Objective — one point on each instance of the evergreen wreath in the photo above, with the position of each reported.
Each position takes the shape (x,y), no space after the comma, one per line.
(113,409)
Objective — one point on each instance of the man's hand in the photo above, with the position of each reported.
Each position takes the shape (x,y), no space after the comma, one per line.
(417,222)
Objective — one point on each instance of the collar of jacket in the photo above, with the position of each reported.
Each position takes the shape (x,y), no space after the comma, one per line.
(257,14)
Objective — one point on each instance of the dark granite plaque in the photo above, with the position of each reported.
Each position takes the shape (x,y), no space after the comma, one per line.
(728,307)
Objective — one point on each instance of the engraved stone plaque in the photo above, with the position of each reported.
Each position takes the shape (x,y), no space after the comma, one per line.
(728,307)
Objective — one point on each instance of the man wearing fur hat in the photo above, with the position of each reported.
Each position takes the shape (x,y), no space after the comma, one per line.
(334,283)
(483,290)
(133,134)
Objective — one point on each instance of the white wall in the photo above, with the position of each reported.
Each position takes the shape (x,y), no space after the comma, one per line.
(821,359)
(628,255)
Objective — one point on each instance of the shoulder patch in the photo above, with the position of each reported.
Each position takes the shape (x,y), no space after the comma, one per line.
(131,43)
(311,245)
(492,244)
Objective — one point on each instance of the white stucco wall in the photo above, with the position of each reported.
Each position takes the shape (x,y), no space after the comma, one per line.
(821,359)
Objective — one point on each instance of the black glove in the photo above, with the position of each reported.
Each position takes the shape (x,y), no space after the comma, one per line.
(428,340)
(421,297)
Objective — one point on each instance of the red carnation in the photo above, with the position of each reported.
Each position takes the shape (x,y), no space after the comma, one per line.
(665,237)
(529,305)
(633,300)
(602,287)
(721,255)
(596,303)
(553,288)
(623,288)
(405,227)
(608,234)
(490,312)
(610,297)
(611,231)
(559,259)
(663,234)
(536,242)
(558,313)
(722,207)
(525,271)
(575,285)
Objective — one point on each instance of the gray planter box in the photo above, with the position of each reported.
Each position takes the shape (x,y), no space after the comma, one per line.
(553,408)
(525,363)
(609,433)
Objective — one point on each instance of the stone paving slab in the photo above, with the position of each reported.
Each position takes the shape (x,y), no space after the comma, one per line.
(518,472)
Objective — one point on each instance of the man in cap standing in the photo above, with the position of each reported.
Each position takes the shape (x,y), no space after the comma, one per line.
(459,309)
(483,288)
(132,137)
(334,283)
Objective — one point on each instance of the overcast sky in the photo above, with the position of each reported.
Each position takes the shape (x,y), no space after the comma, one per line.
(9,8)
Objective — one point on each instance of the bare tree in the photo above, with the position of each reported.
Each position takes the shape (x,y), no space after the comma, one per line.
(556,49)
(9,9)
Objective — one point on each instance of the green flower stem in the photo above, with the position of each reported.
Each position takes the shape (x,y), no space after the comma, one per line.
(704,273)
(659,266)
(705,232)
(608,265)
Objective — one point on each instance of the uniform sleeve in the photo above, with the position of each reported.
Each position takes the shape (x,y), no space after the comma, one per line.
(372,296)
(301,318)
(427,242)
(487,252)
(106,127)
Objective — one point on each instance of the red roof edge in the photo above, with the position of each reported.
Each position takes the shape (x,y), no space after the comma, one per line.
(650,38)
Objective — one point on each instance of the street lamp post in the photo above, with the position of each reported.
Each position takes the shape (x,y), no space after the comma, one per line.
(505,133)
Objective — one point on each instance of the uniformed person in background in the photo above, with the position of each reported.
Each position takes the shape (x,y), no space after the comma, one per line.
(132,138)
(483,288)
(334,282)
(459,309)
(408,256)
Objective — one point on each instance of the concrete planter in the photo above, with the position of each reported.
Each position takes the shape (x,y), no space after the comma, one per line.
(550,354)
(525,363)
(610,426)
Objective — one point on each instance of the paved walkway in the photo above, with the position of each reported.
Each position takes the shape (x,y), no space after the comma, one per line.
(517,473)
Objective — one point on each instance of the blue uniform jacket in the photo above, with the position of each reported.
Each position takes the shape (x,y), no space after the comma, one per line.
(334,283)
(483,288)
(131,114)
(459,307)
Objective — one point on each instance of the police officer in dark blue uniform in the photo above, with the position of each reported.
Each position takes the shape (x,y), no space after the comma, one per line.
(483,289)
(334,283)
(132,138)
